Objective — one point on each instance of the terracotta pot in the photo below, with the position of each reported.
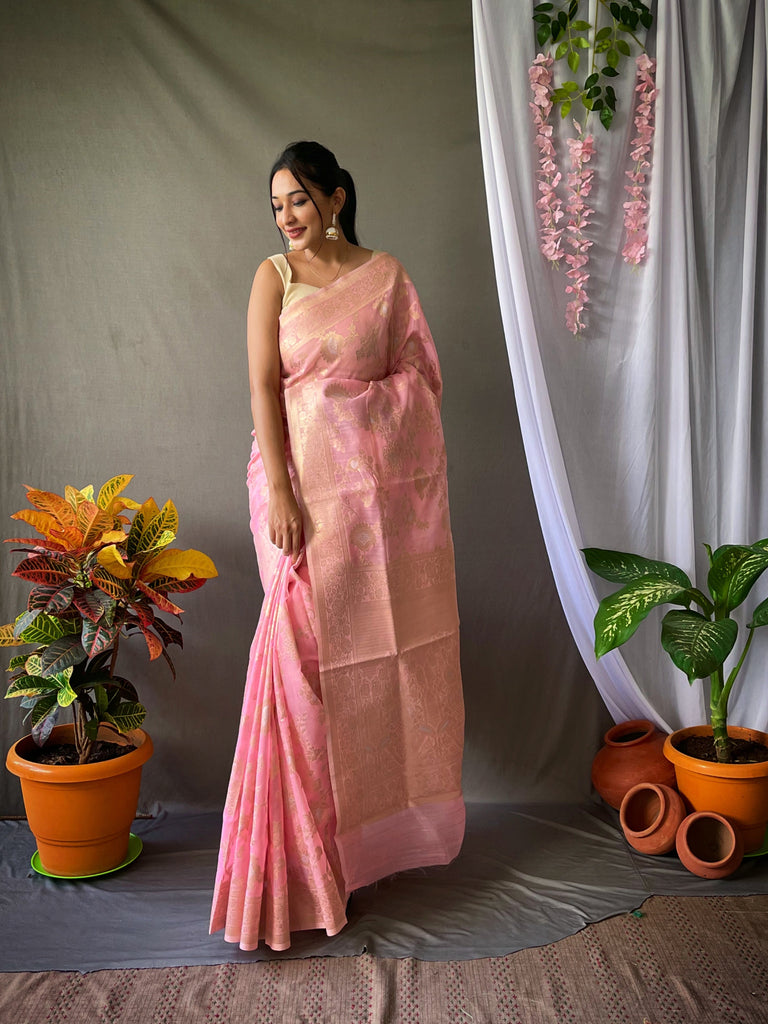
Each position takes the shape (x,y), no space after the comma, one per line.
(633,752)
(738,791)
(650,816)
(81,814)
(709,845)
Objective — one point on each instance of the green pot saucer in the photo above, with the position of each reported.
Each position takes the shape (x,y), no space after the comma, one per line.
(135,847)
(761,849)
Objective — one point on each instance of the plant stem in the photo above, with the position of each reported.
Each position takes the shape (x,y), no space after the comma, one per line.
(82,743)
(719,716)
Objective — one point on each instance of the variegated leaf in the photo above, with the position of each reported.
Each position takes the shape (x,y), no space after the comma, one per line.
(40,521)
(65,696)
(154,643)
(619,614)
(97,637)
(108,583)
(158,599)
(17,661)
(759,615)
(112,488)
(45,629)
(45,569)
(54,505)
(36,545)
(126,716)
(24,620)
(143,516)
(180,564)
(112,560)
(7,639)
(624,567)
(61,654)
(168,634)
(43,718)
(733,573)
(172,586)
(695,644)
(31,686)
(165,522)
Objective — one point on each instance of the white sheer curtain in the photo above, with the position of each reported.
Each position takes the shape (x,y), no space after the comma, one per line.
(646,433)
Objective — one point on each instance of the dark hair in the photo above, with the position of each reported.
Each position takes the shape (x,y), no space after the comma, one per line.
(313,163)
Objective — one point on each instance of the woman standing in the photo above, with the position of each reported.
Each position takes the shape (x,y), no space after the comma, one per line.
(348,759)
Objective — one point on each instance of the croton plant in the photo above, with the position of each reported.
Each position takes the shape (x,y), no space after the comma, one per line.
(101,569)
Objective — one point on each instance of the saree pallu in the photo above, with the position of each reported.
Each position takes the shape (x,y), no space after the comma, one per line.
(348,763)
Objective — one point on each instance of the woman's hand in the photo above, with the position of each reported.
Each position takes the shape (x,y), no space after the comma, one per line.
(284,521)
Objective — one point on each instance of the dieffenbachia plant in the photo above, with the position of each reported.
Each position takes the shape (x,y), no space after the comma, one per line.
(97,575)
(698,641)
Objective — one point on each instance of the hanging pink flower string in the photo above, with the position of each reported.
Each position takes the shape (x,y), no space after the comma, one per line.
(636,208)
(580,177)
(549,204)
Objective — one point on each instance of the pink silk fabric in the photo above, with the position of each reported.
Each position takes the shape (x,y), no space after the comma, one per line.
(348,761)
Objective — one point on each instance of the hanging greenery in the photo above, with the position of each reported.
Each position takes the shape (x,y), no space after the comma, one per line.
(599,51)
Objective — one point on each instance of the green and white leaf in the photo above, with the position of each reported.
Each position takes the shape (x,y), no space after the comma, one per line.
(695,644)
(65,695)
(734,571)
(759,615)
(624,567)
(619,615)
(31,686)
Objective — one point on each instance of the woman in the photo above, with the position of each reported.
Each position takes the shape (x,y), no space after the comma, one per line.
(348,759)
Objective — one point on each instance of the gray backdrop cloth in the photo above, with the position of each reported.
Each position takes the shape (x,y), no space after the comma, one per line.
(135,140)
(526,876)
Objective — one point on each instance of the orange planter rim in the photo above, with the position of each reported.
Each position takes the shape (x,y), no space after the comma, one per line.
(718,768)
(17,764)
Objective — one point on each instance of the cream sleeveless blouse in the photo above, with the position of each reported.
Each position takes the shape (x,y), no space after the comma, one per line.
(291,290)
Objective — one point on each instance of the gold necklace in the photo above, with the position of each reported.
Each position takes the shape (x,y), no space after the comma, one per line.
(332,279)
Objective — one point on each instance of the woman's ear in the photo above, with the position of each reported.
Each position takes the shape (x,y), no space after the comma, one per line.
(338,199)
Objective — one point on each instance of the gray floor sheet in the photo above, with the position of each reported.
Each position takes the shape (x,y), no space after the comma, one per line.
(526,876)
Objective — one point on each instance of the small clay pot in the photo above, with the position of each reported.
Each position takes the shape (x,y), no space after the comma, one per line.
(633,753)
(709,845)
(650,816)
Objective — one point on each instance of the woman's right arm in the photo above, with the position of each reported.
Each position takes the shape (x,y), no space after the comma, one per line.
(284,515)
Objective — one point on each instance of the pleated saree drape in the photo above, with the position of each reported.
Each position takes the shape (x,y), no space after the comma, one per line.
(348,762)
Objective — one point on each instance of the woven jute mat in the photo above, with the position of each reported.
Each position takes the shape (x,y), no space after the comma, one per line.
(678,960)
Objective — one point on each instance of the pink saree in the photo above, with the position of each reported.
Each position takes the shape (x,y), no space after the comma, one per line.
(348,759)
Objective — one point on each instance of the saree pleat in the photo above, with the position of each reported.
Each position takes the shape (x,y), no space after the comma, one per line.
(278,867)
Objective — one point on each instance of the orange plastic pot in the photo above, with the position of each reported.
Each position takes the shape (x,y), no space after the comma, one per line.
(81,814)
(737,791)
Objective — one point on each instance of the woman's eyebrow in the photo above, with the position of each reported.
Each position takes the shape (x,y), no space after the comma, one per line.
(296,192)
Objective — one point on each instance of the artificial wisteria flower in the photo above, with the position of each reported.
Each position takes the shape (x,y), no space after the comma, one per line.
(549,203)
(636,208)
(580,177)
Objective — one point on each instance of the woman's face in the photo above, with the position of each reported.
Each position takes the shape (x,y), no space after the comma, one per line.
(296,214)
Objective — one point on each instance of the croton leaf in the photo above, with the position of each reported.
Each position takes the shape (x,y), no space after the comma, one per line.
(31,686)
(7,639)
(105,581)
(619,614)
(46,569)
(159,526)
(180,564)
(169,585)
(159,599)
(695,644)
(26,619)
(168,634)
(112,560)
(61,654)
(144,515)
(36,545)
(70,537)
(126,716)
(43,718)
(97,637)
(734,571)
(92,521)
(54,505)
(65,695)
(43,522)
(112,488)
(50,599)
(154,643)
